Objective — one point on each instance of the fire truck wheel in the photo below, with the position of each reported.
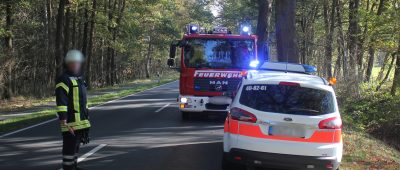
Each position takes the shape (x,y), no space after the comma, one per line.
(185,115)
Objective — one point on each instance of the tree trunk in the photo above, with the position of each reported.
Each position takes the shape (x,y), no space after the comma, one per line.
(370,66)
(90,46)
(8,40)
(371,50)
(67,31)
(121,9)
(264,15)
(354,47)
(110,49)
(73,31)
(85,30)
(342,43)
(50,41)
(387,73)
(148,60)
(57,47)
(383,67)
(396,79)
(329,20)
(285,14)
(354,31)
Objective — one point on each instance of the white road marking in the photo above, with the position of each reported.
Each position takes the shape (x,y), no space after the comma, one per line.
(51,120)
(165,106)
(30,127)
(91,152)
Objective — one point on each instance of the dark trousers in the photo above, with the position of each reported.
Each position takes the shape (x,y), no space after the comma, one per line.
(70,149)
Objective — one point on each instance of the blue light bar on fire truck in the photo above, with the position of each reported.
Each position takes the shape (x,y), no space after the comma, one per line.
(193,28)
(245,29)
(288,67)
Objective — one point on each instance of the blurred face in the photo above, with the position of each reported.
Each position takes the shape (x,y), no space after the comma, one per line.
(74,67)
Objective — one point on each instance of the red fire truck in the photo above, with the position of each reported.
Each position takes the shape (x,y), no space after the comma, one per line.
(211,64)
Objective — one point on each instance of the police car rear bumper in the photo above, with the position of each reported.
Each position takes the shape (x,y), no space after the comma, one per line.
(201,104)
(274,160)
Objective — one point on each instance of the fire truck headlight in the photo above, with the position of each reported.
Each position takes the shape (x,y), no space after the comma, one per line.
(194,28)
(185,100)
(254,63)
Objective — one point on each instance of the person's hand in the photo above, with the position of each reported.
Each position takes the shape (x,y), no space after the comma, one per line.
(70,129)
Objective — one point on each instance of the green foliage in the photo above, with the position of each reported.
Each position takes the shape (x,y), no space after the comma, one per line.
(376,113)
(130,38)
(235,12)
(373,109)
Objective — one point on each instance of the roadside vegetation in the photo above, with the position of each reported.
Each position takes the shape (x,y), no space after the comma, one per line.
(371,126)
(110,93)
(371,133)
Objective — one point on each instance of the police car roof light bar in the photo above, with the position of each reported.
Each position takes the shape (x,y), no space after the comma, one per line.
(288,67)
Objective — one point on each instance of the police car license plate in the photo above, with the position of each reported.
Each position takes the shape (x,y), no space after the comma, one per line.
(286,131)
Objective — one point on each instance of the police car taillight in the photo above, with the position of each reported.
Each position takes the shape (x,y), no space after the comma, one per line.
(242,115)
(331,123)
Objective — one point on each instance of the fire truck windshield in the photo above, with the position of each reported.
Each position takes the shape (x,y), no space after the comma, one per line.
(219,53)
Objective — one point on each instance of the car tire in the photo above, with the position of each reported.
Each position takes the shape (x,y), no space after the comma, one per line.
(185,115)
(226,165)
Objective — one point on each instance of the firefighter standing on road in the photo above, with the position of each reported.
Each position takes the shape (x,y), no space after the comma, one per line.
(72,108)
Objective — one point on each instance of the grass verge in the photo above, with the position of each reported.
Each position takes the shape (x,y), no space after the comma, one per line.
(19,122)
(362,151)
(372,128)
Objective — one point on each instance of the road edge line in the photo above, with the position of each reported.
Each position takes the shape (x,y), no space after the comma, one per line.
(26,128)
(132,94)
(51,120)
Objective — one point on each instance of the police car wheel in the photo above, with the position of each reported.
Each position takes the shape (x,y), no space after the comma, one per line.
(185,115)
(226,165)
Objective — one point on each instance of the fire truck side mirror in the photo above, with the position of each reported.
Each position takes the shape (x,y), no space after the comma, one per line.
(171,62)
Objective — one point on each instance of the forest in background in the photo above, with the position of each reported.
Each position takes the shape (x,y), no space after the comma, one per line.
(129,39)
(121,39)
(343,38)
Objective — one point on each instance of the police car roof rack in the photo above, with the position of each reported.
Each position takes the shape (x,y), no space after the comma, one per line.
(288,67)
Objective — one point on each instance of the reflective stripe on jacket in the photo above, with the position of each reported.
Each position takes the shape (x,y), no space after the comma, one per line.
(71,102)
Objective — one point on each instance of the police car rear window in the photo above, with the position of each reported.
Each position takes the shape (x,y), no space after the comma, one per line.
(294,100)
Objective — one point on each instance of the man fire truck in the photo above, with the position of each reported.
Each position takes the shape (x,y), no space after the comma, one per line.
(211,64)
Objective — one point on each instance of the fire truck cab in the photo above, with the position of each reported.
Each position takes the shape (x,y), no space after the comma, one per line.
(211,64)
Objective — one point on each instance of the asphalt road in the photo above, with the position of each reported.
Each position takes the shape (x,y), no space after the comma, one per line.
(142,132)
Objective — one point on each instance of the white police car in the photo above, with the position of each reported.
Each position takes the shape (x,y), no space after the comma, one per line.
(283,118)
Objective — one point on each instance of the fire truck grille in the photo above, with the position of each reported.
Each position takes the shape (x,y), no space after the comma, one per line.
(215,85)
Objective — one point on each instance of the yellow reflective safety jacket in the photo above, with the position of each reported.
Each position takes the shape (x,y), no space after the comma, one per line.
(72,102)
